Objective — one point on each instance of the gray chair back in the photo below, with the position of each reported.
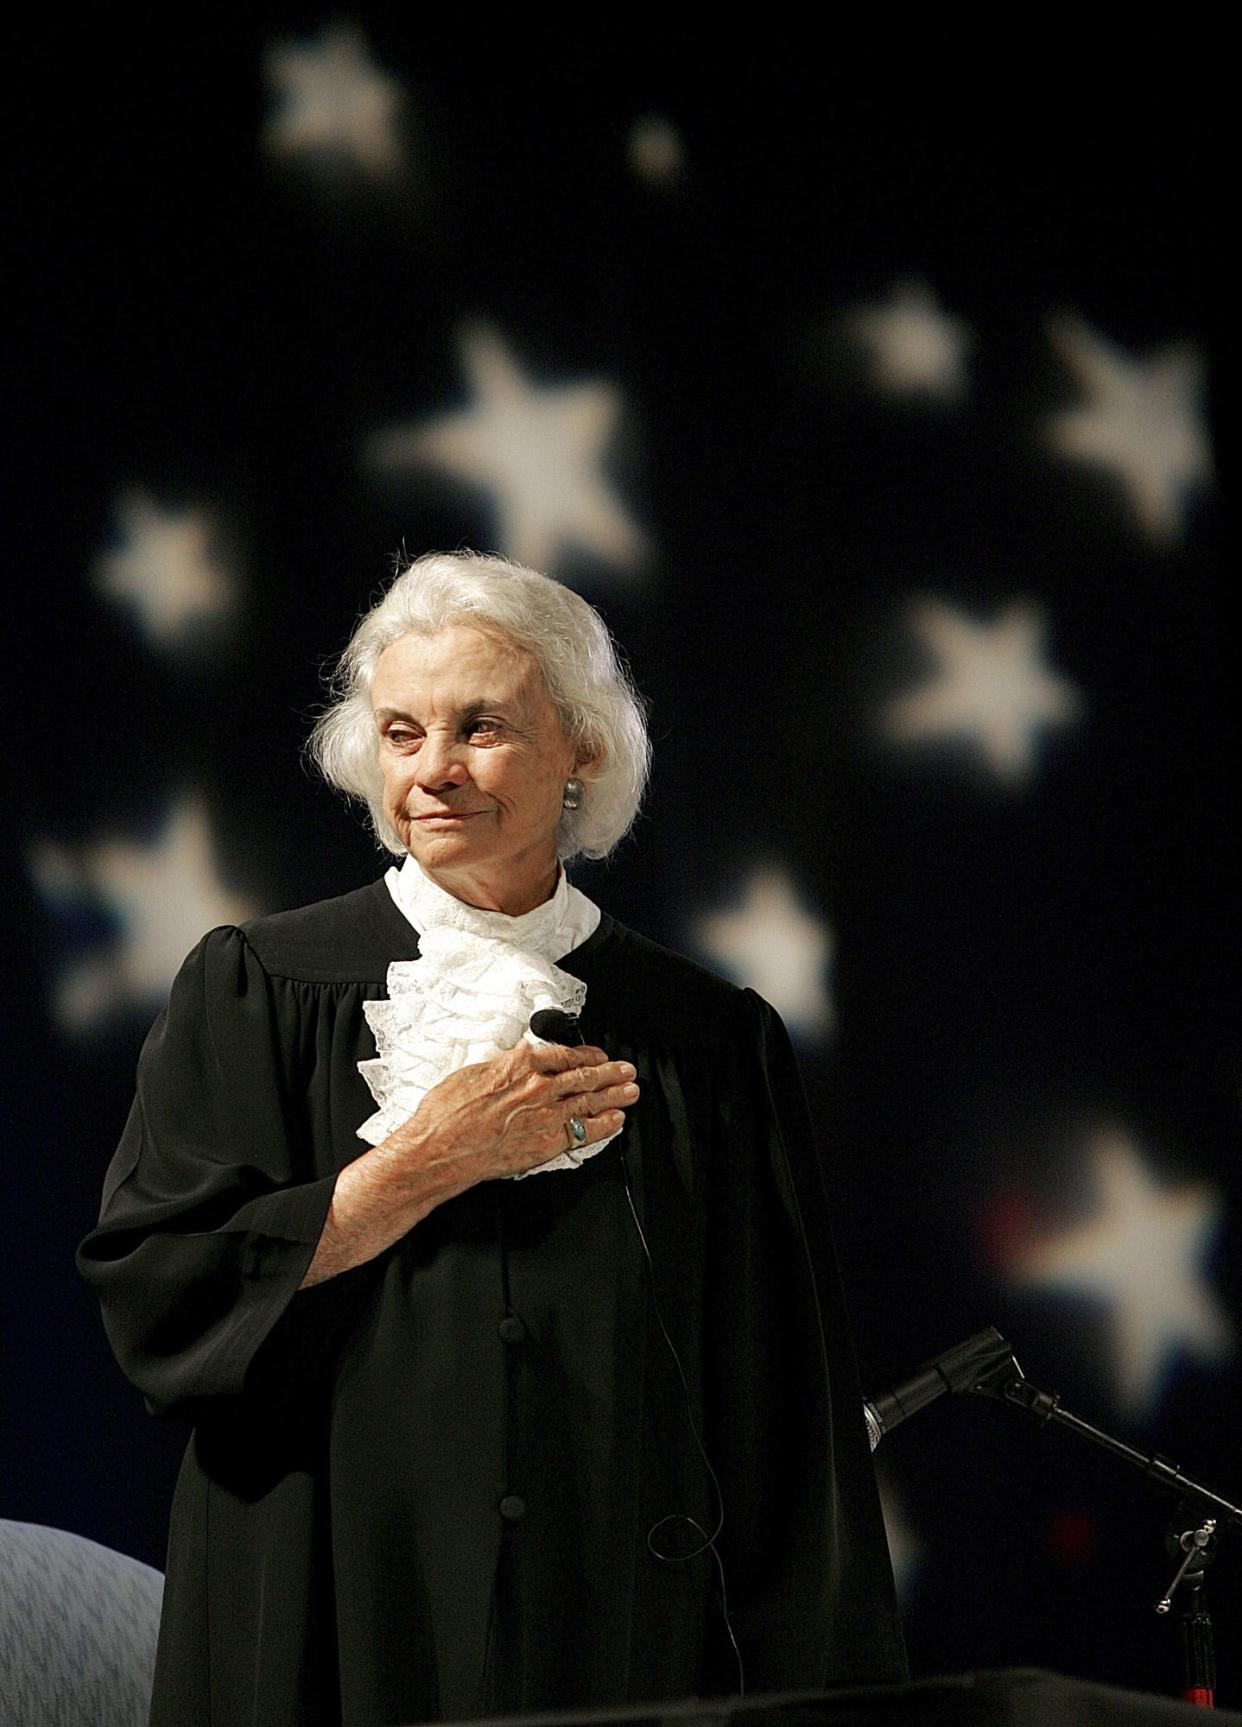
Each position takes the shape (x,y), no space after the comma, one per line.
(78,1626)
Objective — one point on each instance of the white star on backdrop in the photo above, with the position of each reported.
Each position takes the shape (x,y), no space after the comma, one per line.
(163,896)
(538,449)
(168,569)
(1142,420)
(773,945)
(992,688)
(1141,1253)
(916,348)
(655,151)
(335,105)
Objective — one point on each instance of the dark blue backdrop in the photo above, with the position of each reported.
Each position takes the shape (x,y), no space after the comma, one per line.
(873,411)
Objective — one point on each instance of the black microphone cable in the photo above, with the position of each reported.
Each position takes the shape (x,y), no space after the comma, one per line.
(707,1543)
(555,1026)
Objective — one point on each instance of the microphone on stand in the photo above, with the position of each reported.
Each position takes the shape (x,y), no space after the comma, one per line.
(975,1365)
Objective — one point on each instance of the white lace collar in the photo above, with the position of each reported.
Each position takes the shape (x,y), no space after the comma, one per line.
(470,994)
(551,930)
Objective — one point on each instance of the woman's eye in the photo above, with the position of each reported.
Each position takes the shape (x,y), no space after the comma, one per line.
(483,728)
(400,739)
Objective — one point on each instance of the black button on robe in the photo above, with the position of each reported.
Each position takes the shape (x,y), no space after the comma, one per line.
(344,1546)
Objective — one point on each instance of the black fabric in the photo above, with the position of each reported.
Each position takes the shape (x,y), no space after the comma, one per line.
(393,1510)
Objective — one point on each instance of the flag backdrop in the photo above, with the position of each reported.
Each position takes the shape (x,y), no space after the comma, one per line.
(876,416)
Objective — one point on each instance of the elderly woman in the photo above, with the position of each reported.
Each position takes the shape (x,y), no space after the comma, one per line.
(546,1398)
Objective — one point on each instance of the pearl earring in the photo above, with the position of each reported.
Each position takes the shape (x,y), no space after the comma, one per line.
(573,795)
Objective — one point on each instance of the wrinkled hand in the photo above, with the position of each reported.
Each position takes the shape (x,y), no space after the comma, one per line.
(508,1114)
(494,1118)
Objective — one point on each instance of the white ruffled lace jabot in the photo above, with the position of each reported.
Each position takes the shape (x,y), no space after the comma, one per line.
(469,995)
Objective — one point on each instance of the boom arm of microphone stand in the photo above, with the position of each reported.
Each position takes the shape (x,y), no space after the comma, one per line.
(1006,1381)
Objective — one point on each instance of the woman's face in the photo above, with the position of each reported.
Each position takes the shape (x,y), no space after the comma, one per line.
(474,764)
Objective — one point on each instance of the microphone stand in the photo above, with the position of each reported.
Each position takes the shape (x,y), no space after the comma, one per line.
(1195,1531)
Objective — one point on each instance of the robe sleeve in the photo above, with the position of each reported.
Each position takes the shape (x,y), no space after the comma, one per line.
(213,1206)
(803,1544)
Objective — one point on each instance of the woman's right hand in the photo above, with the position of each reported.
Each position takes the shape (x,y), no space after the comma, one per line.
(511,1113)
(491,1119)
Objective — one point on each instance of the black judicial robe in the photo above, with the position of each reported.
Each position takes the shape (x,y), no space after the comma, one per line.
(425,1489)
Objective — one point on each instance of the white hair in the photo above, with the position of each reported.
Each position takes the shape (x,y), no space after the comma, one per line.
(600,711)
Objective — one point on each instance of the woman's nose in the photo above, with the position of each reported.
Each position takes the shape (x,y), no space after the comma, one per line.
(440,762)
